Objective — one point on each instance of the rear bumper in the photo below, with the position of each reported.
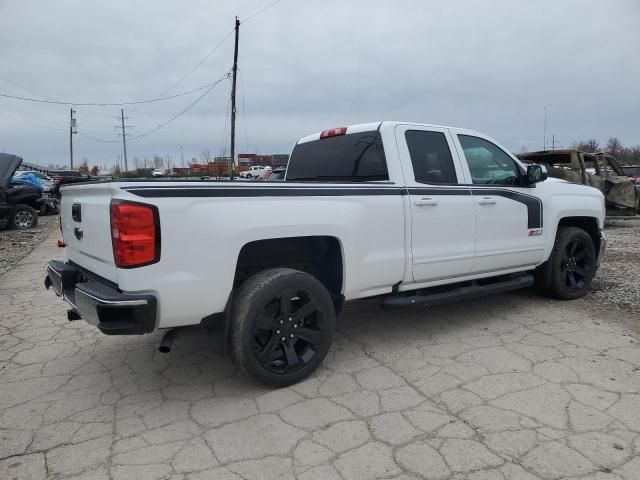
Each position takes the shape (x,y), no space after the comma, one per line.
(100,303)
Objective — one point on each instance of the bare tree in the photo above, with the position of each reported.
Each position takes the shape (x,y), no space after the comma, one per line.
(614,147)
(590,146)
(158,161)
(205,156)
(84,166)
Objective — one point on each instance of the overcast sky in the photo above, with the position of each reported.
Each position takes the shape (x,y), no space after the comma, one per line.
(488,65)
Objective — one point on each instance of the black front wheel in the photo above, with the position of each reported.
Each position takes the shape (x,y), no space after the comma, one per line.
(281,327)
(572,265)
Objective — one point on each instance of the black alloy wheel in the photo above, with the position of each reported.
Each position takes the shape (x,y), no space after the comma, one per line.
(578,263)
(571,266)
(288,332)
(282,325)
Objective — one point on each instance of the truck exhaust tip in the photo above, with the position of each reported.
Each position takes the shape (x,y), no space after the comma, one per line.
(167,341)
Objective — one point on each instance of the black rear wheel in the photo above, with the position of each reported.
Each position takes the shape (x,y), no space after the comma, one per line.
(572,265)
(282,325)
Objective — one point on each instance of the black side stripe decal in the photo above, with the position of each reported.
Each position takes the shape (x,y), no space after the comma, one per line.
(533,204)
(260,192)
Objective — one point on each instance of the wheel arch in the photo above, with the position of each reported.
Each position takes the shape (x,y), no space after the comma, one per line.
(586,223)
(319,255)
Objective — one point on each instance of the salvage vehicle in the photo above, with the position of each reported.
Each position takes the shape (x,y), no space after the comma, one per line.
(50,203)
(410,213)
(631,171)
(598,170)
(19,204)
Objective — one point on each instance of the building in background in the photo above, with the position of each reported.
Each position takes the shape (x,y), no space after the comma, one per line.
(220,165)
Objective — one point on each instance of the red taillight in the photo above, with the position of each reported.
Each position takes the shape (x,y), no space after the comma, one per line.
(134,234)
(334,132)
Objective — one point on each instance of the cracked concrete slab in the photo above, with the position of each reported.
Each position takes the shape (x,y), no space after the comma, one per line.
(513,387)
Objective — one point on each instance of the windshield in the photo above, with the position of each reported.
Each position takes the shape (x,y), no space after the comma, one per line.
(355,157)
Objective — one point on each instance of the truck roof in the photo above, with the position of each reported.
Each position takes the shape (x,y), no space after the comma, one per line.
(367,127)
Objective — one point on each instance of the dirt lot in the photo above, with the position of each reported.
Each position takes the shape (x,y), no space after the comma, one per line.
(510,387)
(617,286)
(16,244)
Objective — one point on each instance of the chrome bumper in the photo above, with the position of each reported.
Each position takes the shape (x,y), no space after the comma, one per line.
(100,303)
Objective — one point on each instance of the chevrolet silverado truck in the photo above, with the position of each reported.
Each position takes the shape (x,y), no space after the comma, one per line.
(409,213)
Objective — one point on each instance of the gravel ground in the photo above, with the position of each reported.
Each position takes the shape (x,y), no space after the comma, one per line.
(617,285)
(16,244)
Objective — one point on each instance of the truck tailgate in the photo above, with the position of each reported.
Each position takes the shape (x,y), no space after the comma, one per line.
(86,228)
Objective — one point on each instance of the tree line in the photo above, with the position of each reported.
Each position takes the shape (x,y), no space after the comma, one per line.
(625,155)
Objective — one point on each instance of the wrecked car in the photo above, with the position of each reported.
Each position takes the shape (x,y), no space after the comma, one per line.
(598,170)
(19,204)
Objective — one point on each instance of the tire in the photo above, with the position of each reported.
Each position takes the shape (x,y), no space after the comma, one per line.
(23,217)
(248,176)
(568,273)
(276,342)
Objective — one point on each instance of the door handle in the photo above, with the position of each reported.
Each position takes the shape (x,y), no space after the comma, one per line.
(427,201)
(487,201)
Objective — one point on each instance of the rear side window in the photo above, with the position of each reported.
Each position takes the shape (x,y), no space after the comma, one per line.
(430,157)
(354,157)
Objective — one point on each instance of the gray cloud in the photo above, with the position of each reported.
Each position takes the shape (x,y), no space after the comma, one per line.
(489,65)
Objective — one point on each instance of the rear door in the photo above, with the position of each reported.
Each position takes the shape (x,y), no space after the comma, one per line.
(86,227)
(442,213)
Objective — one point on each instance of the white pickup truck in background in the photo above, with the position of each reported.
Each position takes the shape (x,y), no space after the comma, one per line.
(254,172)
(409,212)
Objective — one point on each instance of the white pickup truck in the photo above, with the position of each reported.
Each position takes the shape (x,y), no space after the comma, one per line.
(410,213)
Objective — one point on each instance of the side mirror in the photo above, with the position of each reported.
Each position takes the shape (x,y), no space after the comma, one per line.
(536,173)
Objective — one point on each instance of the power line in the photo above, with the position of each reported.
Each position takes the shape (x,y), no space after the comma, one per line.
(97,139)
(260,11)
(184,110)
(199,63)
(98,104)
(226,76)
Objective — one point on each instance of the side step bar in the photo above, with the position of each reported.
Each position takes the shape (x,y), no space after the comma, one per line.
(456,293)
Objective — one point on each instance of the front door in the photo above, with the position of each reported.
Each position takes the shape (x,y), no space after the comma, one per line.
(442,212)
(508,215)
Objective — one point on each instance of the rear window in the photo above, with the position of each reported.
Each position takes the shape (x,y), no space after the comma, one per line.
(355,157)
(631,170)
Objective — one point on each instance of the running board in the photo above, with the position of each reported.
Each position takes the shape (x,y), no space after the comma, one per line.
(456,293)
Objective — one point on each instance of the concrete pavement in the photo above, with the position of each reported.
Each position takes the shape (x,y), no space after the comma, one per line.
(513,387)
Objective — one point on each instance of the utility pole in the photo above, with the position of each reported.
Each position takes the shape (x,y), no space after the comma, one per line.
(72,130)
(233,102)
(181,157)
(553,142)
(545,129)
(123,127)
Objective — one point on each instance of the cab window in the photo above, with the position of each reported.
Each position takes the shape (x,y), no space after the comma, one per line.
(488,164)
